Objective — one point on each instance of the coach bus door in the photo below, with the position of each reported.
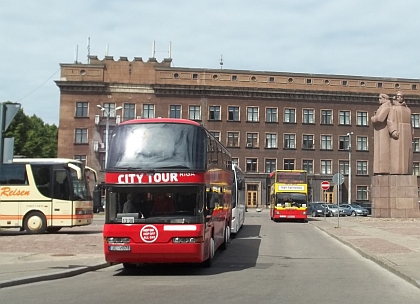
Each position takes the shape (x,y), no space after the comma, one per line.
(61,208)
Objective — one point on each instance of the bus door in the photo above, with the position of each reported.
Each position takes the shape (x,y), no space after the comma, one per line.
(62,206)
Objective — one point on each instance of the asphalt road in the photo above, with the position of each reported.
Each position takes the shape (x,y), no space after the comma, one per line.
(267,262)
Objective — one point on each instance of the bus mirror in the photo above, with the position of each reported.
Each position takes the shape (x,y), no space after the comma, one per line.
(78,171)
(241,183)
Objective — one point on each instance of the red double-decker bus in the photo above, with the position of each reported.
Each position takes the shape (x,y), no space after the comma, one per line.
(168,186)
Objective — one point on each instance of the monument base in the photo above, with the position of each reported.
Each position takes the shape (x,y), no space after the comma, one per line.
(395,196)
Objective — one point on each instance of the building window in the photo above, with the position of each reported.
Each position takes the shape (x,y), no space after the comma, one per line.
(414,87)
(288,164)
(344,117)
(148,111)
(416,144)
(214,113)
(362,193)
(270,140)
(233,113)
(233,139)
(362,168)
(81,158)
(234,78)
(416,168)
(290,115)
(252,140)
(343,167)
(271,114)
(194,113)
(362,144)
(109,108)
(215,134)
(174,111)
(344,83)
(129,111)
(271,79)
(343,143)
(415,120)
(362,119)
(308,116)
(308,141)
(251,165)
(289,141)
(80,136)
(308,165)
(326,142)
(326,117)
(270,165)
(326,166)
(252,114)
(81,109)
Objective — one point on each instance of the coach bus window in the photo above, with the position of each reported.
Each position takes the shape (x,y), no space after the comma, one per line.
(13,174)
(143,146)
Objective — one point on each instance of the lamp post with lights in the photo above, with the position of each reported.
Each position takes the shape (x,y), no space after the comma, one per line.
(107,113)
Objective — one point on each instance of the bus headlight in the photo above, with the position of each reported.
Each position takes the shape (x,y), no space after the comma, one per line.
(117,240)
(183,240)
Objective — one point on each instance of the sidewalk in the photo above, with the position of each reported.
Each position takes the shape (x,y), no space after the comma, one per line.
(394,244)
(34,258)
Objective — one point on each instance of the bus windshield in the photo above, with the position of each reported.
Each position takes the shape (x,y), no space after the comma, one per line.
(165,204)
(157,145)
(291,199)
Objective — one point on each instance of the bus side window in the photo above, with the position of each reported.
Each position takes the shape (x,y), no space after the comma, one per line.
(42,179)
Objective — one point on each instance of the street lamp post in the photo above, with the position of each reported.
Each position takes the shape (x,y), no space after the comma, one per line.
(107,113)
(349,194)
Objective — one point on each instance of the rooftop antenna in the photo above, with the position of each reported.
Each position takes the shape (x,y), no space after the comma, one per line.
(221,62)
(107,50)
(88,50)
(153,49)
(170,49)
(76,53)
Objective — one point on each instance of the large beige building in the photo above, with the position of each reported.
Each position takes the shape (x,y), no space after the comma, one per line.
(267,120)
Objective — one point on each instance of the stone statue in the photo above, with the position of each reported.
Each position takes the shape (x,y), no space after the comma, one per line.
(400,130)
(381,138)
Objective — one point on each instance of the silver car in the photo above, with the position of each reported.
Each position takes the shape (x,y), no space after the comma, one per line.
(333,210)
(355,209)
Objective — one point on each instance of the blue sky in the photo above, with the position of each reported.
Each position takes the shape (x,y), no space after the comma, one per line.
(358,37)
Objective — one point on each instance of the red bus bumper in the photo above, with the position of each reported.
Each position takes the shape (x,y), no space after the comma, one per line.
(280,214)
(161,250)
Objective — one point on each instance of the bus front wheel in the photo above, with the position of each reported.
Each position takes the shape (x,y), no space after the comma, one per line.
(207,263)
(35,222)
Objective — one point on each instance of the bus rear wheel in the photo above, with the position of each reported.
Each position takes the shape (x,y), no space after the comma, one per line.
(35,222)
(226,238)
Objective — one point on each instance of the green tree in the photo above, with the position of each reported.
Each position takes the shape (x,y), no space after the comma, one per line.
(33,138)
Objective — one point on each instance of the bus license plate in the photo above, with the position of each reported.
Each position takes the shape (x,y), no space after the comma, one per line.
(291,216)
(119,248)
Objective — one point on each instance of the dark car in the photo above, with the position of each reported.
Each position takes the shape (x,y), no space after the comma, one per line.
(316,209)
(355,209)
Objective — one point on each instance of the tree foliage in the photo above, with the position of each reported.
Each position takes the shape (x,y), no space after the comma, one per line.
(33,138)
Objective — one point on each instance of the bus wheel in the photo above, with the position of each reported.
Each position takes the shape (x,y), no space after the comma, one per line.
(53,229)
(207,263)
(35,222)
(226,238)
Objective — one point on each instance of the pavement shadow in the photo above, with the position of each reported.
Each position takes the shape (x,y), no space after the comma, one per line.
(242,253)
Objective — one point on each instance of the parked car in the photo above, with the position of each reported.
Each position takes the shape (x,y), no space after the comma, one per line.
(317,209)
(355,209)
(333,210)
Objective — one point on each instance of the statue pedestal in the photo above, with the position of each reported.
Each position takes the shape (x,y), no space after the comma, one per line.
(395,196)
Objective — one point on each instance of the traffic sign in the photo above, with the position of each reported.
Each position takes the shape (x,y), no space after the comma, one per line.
(325,185)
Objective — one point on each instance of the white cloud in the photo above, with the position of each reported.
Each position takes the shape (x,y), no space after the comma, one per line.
(370,38)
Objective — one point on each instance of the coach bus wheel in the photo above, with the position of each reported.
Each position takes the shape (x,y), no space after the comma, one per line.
(207,263)
(226,238)
(35,222)
(53,229)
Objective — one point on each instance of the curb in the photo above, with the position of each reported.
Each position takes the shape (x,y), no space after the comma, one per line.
(375,259)
(53,276)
